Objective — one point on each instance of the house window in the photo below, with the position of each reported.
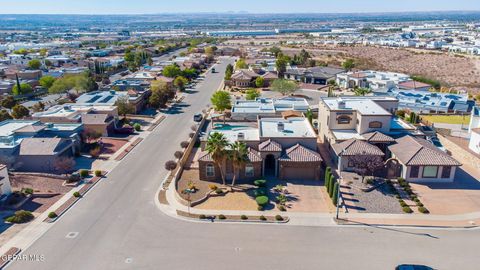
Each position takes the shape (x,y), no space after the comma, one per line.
(249,171)
(430,171)
(210,170)
(446,171)
(375,124)
(414,170)
(344,119)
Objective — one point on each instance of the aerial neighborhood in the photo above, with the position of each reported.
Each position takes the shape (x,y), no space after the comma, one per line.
(339,122)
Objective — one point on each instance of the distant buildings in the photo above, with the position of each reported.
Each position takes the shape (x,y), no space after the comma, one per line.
(266,107)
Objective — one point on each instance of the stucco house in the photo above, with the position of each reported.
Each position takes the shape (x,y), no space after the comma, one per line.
(5,187)
(277,147)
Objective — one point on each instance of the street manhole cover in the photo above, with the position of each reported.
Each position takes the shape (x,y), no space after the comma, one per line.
(72,235)
(128,260)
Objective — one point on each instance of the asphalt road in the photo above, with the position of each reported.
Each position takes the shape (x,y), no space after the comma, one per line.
(119,226)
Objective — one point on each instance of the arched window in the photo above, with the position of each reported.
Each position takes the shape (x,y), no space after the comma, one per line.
(249,171)
(210,170)
(375,124)
(344,119)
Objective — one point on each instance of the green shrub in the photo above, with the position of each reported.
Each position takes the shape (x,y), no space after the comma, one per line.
(369,181)
(259,192)
(263,218)
(260,208)
(260,183)
(52,215)
(278,218)
(20,216)
(423,210)
(222,216)
(262,200)
(402,203)
(84,173)
(98,173)
(243,217)
(333,181)
(407,210)
(27,191)
(202,216)
(415,199)
(137,127)
(219,191)
(281,208)
(76,194)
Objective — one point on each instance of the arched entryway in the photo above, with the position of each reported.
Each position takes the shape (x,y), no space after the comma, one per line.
(270,165)
(394,168)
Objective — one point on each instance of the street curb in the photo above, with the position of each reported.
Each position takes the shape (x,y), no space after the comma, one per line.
(403,226)
(5,263)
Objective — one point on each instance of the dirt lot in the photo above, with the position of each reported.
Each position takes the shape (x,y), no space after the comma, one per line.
(50,187)
(111,146)
(460,72)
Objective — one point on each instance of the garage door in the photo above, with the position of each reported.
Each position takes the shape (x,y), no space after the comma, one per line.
(307,173)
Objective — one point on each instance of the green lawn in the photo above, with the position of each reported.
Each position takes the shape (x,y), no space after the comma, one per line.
(447,119)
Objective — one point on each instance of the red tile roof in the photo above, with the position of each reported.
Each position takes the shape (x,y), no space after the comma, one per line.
(355,147)
(299,153)
(270,146)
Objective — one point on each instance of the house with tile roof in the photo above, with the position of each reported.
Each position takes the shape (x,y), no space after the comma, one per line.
(422,161)
(277,147)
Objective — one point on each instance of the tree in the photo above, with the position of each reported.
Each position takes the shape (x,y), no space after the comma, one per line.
(19,111)
(259,82)
(252,94)
(4,115)
(170,165)
(281,65)
(284,87)
(348,64)
(38,107)
(360,91)
(309,115)
(221,101)
(180,82)
(335,193)
(25,88)
(8,102)
(364,164)
(228,72)
(91,136)
(34,64)
(160,94)
(217,148)
(241,64)
(47,81)
(331,184)
(171,71)
(64,165)
(124,107)
(238,155)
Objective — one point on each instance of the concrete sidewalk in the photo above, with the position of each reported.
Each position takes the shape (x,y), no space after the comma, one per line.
(469,220)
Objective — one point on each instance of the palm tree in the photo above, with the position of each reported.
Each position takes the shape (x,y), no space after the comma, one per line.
(361,91)
(217,148)
(238,154)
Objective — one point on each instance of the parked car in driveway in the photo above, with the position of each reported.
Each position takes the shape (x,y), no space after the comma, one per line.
(413,267)
(197,117)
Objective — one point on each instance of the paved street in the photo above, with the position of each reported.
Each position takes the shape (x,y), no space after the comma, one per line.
(119,226)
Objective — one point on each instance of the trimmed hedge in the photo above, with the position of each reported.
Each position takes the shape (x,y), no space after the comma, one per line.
(260,183)
(278,218)
(243,217)
(423,210)
(263,218)
(335,193)
(20,216)
(259,192)
(76,194)
(98,173)
(84,173)
(262,200)
(407,210)
(222,216)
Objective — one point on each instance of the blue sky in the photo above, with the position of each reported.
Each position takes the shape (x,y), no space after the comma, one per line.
(254,6)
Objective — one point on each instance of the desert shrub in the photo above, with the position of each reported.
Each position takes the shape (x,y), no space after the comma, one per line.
(20,216)
(263,218)
(52,215)
(202,216)
(170,165)
(415,199)
(419,204)
(260,183)
(281,199)
(184,144)
(98,173)
(243,217)
(278,218)
(178,154)
(369,181)
(259,192)
(281,208)
(407,210)
(402,203)
(137,127)
(219,191)
(76,194)
(84,173)
(261,200)
(222,216)
(260,208)
(27,191)
(212,187)
(423,210)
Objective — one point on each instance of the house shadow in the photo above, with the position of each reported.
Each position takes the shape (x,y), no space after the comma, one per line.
(4,225)
(462,181)
(31,205)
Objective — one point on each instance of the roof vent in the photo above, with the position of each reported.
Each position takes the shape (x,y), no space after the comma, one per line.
(280,126)
(241,136)
(341,103)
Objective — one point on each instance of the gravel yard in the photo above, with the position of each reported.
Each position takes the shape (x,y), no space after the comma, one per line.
(380,200)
